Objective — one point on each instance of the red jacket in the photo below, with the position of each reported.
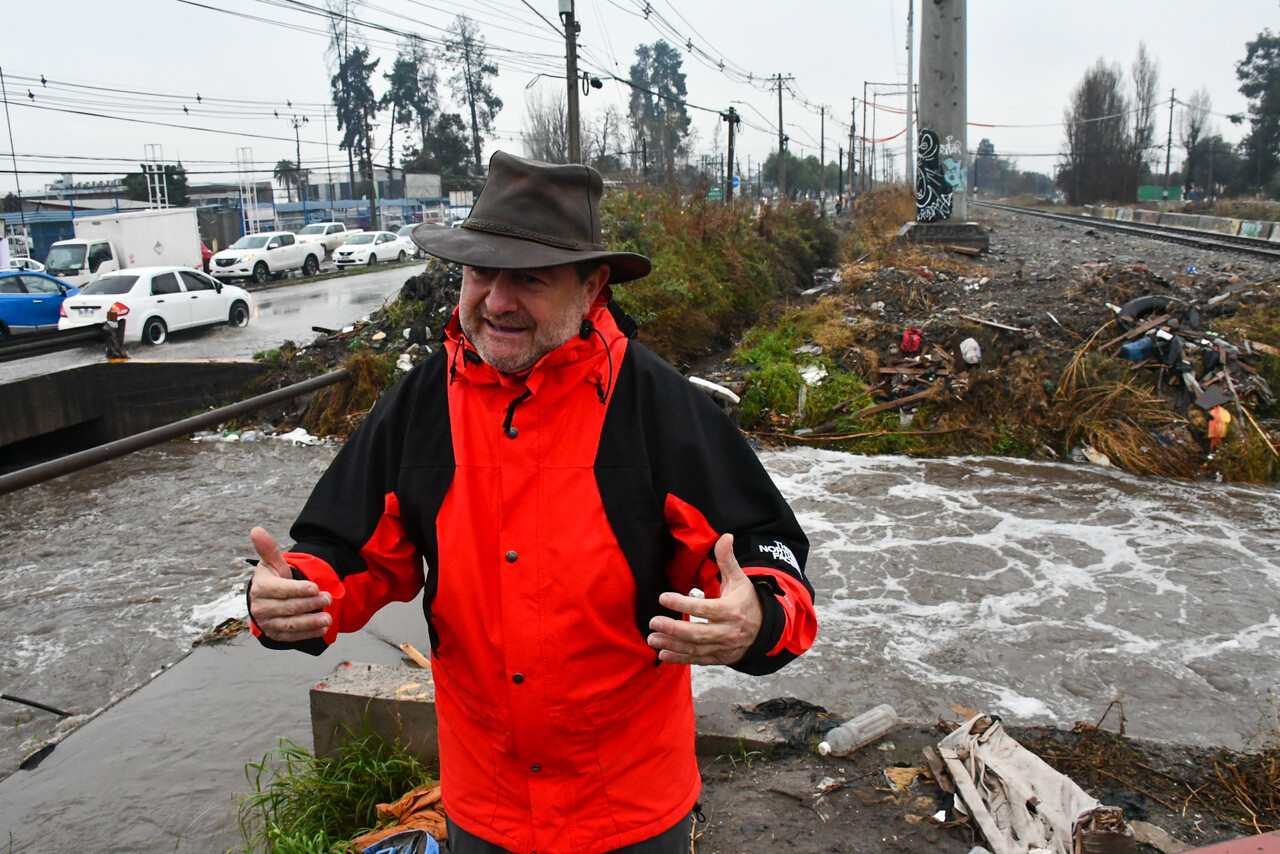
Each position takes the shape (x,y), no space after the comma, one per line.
(550,510)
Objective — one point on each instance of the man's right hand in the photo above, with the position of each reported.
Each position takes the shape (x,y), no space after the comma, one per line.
(286,610)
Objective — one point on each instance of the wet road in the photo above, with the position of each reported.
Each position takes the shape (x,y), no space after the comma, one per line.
(283,312)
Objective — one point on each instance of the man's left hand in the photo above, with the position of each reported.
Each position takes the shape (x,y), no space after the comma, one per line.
(732,620)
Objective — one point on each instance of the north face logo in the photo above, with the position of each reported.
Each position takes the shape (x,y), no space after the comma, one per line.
(780,552)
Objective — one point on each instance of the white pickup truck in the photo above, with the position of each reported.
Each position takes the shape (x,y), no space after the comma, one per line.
(269,254)
(331,235)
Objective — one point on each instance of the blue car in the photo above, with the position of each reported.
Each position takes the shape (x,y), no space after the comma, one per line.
(30,301)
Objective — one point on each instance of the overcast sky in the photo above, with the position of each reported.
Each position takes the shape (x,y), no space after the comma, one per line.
(145,60)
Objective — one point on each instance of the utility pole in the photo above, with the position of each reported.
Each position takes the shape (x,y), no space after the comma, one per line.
(911,87)
(1168,149)
(822,164)
(944,108)
(853,132)
(863,158)
(301,176)
(942,165)
(782,146)
(732,118)
(840,174)
(571,77)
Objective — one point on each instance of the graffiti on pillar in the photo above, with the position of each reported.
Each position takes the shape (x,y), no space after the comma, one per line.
(933,191)
(953,170)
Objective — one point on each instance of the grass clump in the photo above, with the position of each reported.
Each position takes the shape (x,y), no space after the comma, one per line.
(336,410)
(1105,405)
(304,804)
(716,266)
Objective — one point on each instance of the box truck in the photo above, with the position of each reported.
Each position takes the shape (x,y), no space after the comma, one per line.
(115,241)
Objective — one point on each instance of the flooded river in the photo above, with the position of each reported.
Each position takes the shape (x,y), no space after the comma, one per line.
(1037,591)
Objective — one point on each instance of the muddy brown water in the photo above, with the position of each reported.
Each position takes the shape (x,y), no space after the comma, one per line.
(1037,591)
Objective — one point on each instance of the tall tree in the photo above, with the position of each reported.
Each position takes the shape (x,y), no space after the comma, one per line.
(288,174)
(465,49)
(657,111)
(445,154)
(175,179)
(546,133)
(1145,75)
(426,97)
(342,31)
(402,91)
(1259,76)
(1193,124)
(356,106)
(1099,144)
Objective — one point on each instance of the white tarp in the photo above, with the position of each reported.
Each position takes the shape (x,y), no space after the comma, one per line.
(1019,803)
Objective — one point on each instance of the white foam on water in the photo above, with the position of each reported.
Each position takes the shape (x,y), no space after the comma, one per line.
(1038,591)
(204,617)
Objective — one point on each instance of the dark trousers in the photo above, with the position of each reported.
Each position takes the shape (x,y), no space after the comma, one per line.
(673,841)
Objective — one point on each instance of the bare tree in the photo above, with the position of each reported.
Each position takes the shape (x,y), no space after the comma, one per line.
(1146,79)
(546,134)
(466,50)
(604,140)
(1099,162)
(1193,126)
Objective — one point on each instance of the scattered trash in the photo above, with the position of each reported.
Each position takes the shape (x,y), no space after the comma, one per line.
(813,374)
(911,339)
(970,351)
(223,632)
(1019,802)
(299,436)
(859,732)
(715,390)
(419,818)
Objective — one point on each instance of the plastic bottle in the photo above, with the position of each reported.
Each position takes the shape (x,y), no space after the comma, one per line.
(861,731)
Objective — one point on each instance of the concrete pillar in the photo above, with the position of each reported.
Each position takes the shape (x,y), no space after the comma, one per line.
(942,176)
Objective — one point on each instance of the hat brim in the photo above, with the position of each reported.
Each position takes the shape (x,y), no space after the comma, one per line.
(476,248)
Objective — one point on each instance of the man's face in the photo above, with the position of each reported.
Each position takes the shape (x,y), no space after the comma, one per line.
(515,317)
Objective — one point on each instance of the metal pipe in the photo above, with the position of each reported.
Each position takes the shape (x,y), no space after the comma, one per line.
(91,457)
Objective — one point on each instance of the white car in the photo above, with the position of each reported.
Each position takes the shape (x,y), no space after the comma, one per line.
(371,247)
(155,301)
(22,262)
(330,235)
(267,254)
(405,235)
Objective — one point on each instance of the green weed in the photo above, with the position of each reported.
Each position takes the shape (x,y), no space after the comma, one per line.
(303,804)
(739,756)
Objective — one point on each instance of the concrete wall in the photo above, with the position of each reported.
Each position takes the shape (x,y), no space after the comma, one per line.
(1217,224)
(108,401)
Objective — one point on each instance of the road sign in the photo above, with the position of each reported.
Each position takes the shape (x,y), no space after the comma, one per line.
(736,182)
(715,194)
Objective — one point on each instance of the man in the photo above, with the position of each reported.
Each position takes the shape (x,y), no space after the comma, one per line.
(558,491)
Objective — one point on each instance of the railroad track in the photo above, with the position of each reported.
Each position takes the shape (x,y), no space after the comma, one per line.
(1170,234)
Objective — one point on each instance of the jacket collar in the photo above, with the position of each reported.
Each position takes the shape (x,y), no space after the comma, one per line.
(578,358)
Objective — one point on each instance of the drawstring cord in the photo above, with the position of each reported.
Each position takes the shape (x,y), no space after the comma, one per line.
(507,429)
(587,328)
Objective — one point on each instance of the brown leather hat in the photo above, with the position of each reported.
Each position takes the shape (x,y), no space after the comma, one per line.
(532,214)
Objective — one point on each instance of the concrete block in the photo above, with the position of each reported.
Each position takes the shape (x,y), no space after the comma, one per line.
(1255,229)
(1178,220)
(1219,224)
(397,703)
(1124,214)
(1108,213)
(946,233)
(1148,217)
